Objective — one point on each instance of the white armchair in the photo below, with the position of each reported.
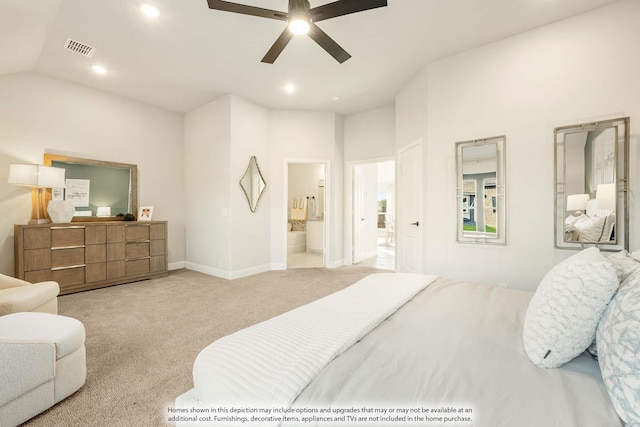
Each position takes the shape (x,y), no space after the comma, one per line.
(42,361)
(17,295)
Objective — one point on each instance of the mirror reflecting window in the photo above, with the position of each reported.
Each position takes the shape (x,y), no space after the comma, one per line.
(591,185)
(480,192)
(253,183)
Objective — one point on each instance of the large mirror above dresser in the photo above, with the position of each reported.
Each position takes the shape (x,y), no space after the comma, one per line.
(591,185)
(100,190)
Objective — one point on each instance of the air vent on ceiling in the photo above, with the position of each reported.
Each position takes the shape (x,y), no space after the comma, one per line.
(81,48)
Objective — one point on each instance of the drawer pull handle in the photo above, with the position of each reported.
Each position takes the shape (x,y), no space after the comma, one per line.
(69,267)
(68,227)
(57,248)
(138,258)
(137,241)
(137,225)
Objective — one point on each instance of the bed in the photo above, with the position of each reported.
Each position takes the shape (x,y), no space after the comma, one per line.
(433,351)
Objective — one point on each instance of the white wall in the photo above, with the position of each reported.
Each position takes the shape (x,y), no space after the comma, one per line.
(370,135)
(39,113)
(224,238)
(305,137)
(207,188)
(581,69)
(250,231)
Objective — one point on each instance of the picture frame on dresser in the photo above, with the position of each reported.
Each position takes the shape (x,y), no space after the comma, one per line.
(145,213)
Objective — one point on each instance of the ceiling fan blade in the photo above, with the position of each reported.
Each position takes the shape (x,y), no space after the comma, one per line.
(328,44)
(247,10)
(278,47)
(343,7)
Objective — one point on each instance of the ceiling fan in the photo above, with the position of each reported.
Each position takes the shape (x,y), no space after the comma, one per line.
(302,19)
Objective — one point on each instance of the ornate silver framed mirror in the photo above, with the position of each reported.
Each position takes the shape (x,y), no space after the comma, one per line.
(591,184)
(253,183)
(480,191)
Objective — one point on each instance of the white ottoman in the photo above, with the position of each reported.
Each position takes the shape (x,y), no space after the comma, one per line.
(42,361)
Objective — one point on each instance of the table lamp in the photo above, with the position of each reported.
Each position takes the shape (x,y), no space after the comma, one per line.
(38,177)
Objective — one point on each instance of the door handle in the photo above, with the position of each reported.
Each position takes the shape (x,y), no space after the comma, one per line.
(417,223)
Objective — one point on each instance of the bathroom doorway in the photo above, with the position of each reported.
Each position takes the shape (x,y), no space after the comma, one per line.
(306,215)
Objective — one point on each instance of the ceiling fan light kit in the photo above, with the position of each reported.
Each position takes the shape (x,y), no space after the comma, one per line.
(301,19)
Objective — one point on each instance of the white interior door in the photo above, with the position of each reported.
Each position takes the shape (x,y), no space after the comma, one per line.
(409,209)
(359,220)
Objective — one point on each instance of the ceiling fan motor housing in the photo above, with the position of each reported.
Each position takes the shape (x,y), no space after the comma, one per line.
(295,5)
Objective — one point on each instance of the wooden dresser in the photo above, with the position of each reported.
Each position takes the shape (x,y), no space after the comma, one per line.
(83,256)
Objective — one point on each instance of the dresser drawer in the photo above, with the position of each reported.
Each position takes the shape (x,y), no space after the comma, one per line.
(67,257)
(137,232)
(96,272)
(38,275)
(68,276)
(36,238)
(67,236)
(137,250)
(37,259)
(158,247)
(95,254)
(137,267)
(96,235)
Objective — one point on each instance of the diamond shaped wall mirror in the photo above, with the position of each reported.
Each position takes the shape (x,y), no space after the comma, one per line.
(252,183)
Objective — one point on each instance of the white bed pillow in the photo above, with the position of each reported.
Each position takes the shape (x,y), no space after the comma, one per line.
(563,314)
(590,230)
(624,264)
(618,339)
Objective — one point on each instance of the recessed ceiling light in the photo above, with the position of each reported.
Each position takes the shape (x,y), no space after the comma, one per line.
(289,88)
(149,11)
(336,97)
(99,69)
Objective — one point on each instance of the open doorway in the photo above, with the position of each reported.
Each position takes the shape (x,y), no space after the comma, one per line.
(373,214)
(306,215)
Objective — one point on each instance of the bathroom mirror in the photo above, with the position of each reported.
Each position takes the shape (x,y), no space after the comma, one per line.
(102,191)
(591,173)
(480,191)
(252,183)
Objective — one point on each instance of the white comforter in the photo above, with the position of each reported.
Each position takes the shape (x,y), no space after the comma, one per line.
(269,364)
(460,345)
(453,345)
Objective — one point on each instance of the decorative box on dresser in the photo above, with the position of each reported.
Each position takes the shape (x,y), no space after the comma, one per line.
(91,255)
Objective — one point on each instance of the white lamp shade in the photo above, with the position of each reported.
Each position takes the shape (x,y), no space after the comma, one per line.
(606,197)
(577,202)
(38,176)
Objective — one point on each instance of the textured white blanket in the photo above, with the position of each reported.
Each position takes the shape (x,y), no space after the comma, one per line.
(269,364)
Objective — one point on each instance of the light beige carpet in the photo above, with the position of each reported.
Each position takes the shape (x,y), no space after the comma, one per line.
(143,337)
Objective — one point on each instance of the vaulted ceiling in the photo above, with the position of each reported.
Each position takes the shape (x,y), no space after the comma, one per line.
(191,54)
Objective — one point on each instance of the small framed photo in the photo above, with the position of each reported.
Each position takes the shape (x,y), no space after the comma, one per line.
(145,213)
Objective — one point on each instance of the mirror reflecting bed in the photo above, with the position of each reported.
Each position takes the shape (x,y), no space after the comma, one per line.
(99,190)
(590,182)
(480,191)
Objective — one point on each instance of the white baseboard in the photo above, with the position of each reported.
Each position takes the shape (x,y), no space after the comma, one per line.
(226,274)
(177,265)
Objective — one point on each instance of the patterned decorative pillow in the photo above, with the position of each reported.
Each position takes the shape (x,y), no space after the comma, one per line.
(563,314)
(624,264)
(618,339)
